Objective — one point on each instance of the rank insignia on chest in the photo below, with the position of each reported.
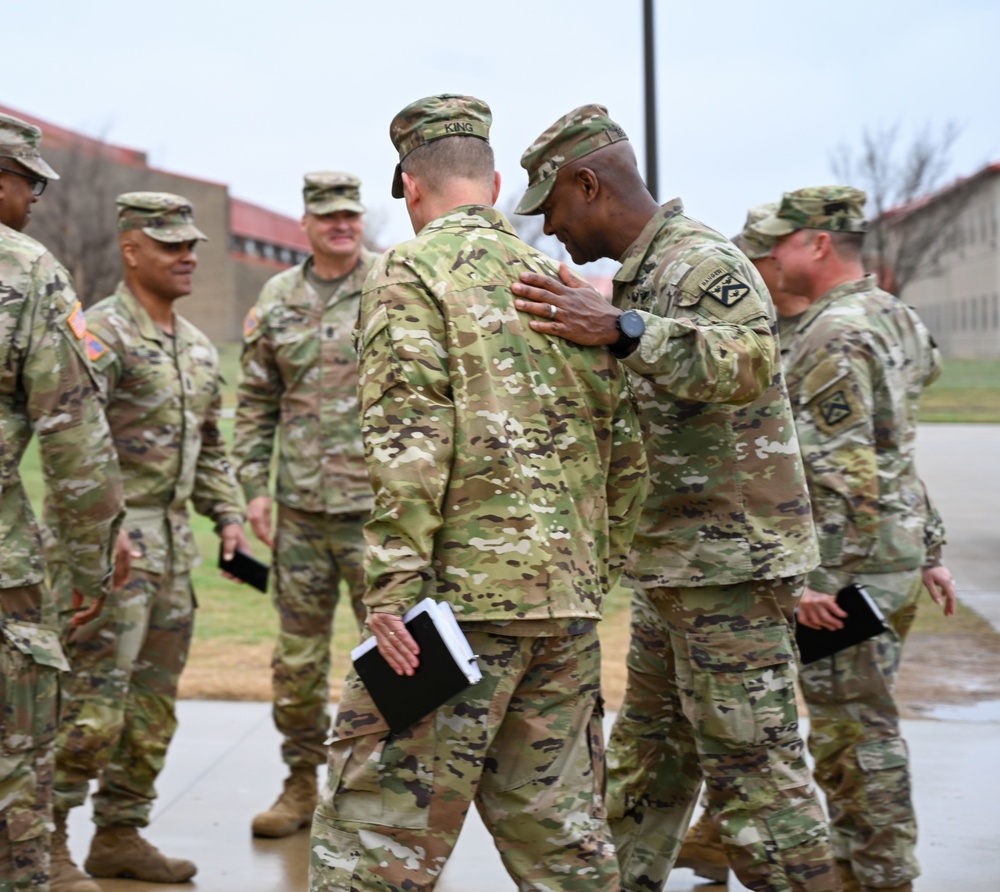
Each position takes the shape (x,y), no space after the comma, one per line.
(250,323)
(727,289)
(95,348)
(77,322)
(835,408)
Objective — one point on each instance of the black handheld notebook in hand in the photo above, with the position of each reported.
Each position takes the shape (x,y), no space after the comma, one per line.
(246,568)
(864,620)
(447,667)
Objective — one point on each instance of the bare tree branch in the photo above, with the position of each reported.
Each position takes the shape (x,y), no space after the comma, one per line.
(903,245)
(76,219)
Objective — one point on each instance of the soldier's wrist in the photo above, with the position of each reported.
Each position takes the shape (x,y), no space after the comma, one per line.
(253,491)
(226,521)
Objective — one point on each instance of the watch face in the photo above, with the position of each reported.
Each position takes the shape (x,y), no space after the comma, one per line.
(631,324)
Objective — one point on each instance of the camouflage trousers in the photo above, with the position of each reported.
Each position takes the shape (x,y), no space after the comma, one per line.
(118,711)
(525,744)
(861,760)
(29,694)
(711,694)
(313,554)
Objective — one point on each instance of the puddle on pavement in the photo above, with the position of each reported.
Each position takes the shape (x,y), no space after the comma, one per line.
(983,711)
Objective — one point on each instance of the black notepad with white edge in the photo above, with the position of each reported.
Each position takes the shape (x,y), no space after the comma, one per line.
(864,620)
(447,667)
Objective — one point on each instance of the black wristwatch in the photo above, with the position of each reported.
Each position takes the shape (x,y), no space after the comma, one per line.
(630,329)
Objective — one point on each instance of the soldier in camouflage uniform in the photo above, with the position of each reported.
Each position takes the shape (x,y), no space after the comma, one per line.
(725,534)
(300,381)
(46,387)
(702,850)
(507,472)
(857,362)
(159,378)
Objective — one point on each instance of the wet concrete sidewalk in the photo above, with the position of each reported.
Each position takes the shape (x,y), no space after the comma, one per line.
(224,764)
(224,767)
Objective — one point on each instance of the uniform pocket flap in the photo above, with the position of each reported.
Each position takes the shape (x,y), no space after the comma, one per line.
(375,323)
(34,641)
(878,755)
(738,651)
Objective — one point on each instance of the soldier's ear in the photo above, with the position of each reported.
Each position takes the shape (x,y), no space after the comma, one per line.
(588,184)
(496,186)
(129,252)
(822,244)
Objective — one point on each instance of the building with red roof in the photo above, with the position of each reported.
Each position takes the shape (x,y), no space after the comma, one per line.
(75,218)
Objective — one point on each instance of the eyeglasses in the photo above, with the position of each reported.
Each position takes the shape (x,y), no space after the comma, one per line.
(38,184)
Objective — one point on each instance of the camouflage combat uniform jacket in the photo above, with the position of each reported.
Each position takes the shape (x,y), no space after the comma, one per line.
(300,378)
(727,499)
(857,366)
(163,404)
(46,387)
(507,465)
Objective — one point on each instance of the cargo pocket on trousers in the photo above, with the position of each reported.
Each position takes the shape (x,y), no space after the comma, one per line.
(737,701)
(789,830)
(30,661)
(885,766)
(378,778)
(333,856)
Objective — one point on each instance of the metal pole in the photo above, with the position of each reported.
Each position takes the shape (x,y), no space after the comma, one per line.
(649,69)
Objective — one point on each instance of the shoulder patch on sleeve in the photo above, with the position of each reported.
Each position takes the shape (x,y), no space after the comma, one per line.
(96,348)
(725,287)
(77,321)
(251,323)
(837,408)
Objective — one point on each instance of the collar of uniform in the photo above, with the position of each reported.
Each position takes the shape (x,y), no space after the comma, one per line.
(352,282)
(471,216)
(634,255)
(832,296)
(143,321)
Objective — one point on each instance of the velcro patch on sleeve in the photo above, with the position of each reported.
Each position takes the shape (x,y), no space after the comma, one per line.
(77,321)
(836,408)
(96,348)
(724,287)
(250,323)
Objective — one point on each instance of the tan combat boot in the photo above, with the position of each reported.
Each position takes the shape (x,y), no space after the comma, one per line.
(906,887)
(119,851)
(64,875)
(702,851)
(293,809)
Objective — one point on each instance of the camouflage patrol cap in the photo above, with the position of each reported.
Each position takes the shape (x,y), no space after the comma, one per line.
(20,140)
(751,242)
(833,208)
(584,130)
(327,191)
(435,117)
(160,215)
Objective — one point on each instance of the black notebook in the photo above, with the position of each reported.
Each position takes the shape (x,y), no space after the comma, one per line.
(864,620)
(447,667)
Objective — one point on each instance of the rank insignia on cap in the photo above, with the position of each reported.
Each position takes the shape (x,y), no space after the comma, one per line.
(835,408)
(77,322)
(726,289)
(250,322)
(95,348)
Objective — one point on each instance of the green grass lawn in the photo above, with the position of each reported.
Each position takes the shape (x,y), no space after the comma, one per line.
(968,390)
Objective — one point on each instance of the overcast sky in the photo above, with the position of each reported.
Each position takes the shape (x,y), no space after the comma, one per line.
(753,96)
